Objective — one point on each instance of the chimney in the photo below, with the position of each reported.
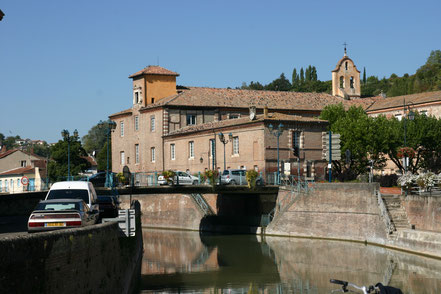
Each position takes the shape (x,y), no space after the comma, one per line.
(252,112)
(265,112)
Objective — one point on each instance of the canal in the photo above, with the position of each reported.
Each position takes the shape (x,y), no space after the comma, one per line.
(188,262)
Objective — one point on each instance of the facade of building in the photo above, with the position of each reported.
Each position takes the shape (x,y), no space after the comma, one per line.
(171,127)
(16,164)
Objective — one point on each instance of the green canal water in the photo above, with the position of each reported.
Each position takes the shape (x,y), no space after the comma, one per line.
(189,262)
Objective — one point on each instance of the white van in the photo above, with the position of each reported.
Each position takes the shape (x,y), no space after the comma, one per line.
(73,190)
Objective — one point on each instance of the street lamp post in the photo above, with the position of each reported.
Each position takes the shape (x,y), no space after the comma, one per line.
(225,141)
(406,115)
(66,137)
(110,127)
(277,132)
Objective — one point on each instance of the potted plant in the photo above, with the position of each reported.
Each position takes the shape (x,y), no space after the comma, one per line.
(169,176)
(251,177)
(211,176)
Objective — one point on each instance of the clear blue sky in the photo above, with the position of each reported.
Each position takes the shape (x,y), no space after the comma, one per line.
(65,64)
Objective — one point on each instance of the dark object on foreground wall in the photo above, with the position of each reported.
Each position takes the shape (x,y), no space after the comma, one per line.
(1,14)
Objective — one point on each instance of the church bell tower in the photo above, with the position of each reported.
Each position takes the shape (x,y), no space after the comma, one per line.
(346,79)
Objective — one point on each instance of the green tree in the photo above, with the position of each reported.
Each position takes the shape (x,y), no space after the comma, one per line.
(95,138)
(101,158)
(302,75)
(434,57)
(280,84)
(58,166)
(364,75)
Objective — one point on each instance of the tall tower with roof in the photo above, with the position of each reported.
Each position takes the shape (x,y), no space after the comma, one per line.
(346,79)
(153,83)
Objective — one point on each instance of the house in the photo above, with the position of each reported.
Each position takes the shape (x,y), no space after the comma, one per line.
(170,127)
(17,164)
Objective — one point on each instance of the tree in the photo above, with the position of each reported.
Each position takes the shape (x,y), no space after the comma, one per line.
(434,57)
(58,166)
(302,76)
(364,75)
(95,138)
(280,84)
(101,159)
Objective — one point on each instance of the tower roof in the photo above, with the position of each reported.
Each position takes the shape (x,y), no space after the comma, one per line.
(154,70)
(340,62)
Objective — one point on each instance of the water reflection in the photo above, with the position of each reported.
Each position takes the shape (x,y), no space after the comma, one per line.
(185,262)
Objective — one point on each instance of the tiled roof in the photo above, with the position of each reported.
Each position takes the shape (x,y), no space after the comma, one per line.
(397,101)
(154,70)
(213,97)
(18,171)
(127,111)
(246,120)
(7,152)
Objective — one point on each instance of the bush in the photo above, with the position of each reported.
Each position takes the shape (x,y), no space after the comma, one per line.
(251,177)
(212,176)
(168,175)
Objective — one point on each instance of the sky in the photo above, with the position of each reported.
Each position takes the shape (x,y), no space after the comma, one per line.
(65,64)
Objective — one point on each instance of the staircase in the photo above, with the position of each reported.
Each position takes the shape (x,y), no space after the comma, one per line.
(396,212)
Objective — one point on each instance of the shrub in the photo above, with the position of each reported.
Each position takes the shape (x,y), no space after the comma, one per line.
(168,175)
(251,177)
(212,176)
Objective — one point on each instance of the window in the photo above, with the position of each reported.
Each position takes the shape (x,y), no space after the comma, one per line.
(191,149)
(152,123)
(122,129)
(6,186)
(212,147)
(172,152)
(342,83)
(235,145)
(18,183)
(1,187)
(136,97)
(233,115)
(136,123)
(352,83)
(122,158)
(23,163)
(346,65)
(153,154)
(191,119)
(136,153)
(153,100)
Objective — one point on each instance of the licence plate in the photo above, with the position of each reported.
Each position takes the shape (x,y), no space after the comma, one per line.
(55,224)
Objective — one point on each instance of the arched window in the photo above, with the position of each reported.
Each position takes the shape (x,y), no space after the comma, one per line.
(342,82)
(346,65)
(352,82)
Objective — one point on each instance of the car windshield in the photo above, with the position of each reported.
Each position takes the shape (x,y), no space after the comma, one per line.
(58,206)
(69,194)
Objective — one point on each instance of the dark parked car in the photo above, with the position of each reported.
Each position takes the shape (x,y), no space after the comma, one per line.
(99,179)
(108,206)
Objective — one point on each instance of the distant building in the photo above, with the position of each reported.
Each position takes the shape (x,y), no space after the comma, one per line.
(170,127)
(16,164)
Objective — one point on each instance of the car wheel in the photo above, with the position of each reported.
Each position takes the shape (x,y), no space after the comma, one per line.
(232,182)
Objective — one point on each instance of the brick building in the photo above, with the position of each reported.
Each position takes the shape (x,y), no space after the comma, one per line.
(170,127)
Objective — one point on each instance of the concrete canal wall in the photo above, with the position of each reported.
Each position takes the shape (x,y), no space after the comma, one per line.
(424,212)
(95,259)
(336,211)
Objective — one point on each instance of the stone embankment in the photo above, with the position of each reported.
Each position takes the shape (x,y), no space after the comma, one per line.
(94,259)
